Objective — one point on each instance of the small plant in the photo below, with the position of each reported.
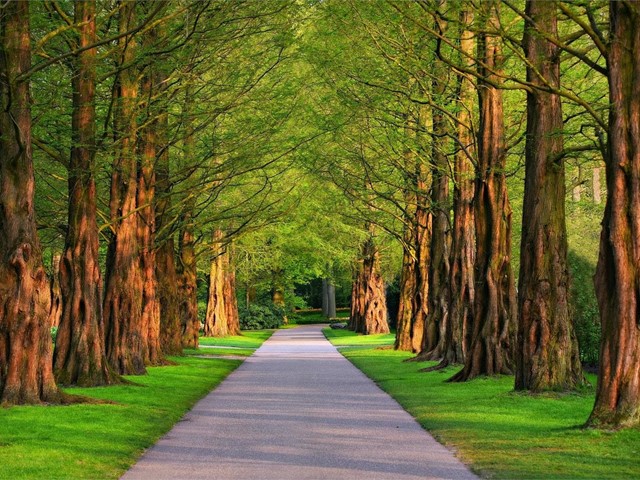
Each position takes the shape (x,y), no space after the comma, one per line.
(54,332)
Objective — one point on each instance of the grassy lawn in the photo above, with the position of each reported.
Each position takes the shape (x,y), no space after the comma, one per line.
(313,317)
(343,338)
(103,441)
(501,434)
(250,339)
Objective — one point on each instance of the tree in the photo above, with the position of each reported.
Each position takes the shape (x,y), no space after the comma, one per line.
(547,352)
(368,301)
(26,373)
(491,348)
(617,275)
(125,338)
(80,349)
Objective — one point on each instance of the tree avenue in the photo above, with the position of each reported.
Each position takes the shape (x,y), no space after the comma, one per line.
(188,167)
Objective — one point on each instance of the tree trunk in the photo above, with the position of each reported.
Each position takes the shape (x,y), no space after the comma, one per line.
(423,262)
(462,285)
(325,297)
(547,353)
(26,375)
(491,349)
(125,338)
(368,301)
(215,324)
(407,295)
(79,357)
(331,299)
(55,312)
(189,320)
(230,299)
(597,188)
(617,277)
(439,268)
(148,146)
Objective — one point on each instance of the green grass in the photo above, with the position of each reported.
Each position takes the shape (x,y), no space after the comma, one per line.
(501,434)
(248,339)
(243,352)
(313,317)
(102,441)
(344,338)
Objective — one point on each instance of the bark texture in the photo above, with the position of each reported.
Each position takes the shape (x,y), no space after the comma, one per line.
(617,277)
(55,312)
(215,324)
(79,357)
(124,334)
(368,301)
(189,321)
(547,353)
(493,338)
(26,374)
(462,284)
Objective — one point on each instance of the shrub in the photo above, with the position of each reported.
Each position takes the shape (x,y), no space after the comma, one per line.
(258,317)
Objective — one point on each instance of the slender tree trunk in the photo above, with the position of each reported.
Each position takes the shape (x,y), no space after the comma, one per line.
(55,312)
(547,353)
(230,298)
(491,349)
(325,297)
(79,357)
(423,262)
(331,294)
(462,284)
(125,338)
(617,277)
(597,188)
(368,301)
(26,375)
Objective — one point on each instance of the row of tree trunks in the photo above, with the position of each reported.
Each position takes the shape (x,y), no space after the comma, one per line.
(547,353)
(617,277)
(55,312)
(26,373)
(368,300)
(222,307)
(490,351)
(80,350)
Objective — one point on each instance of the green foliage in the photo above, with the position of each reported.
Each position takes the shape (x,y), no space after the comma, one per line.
(502,434)
(102,441)
(259,317)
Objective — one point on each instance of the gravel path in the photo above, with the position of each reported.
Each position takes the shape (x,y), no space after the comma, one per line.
(297,410)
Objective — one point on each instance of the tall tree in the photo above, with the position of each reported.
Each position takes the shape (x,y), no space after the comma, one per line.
(462,285)
(26,374)
(79,356)
(494,317)
(547,352)
(618,271)
(125,338)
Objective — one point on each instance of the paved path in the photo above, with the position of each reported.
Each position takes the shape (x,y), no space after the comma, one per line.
(297,410)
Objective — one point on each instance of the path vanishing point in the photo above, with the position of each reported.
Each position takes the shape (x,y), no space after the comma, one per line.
(297,410)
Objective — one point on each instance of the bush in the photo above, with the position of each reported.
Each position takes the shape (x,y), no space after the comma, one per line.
(258,317)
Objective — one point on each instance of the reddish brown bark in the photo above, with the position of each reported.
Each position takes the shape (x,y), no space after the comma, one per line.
(407,294)
(491,348)
(462,284)
(79,357)
(368,302)
(423,261)
(617,277)
(222,317)
(26,375)
(148,145)
(189,321)
(547,351)
(55,312)
(124,335)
